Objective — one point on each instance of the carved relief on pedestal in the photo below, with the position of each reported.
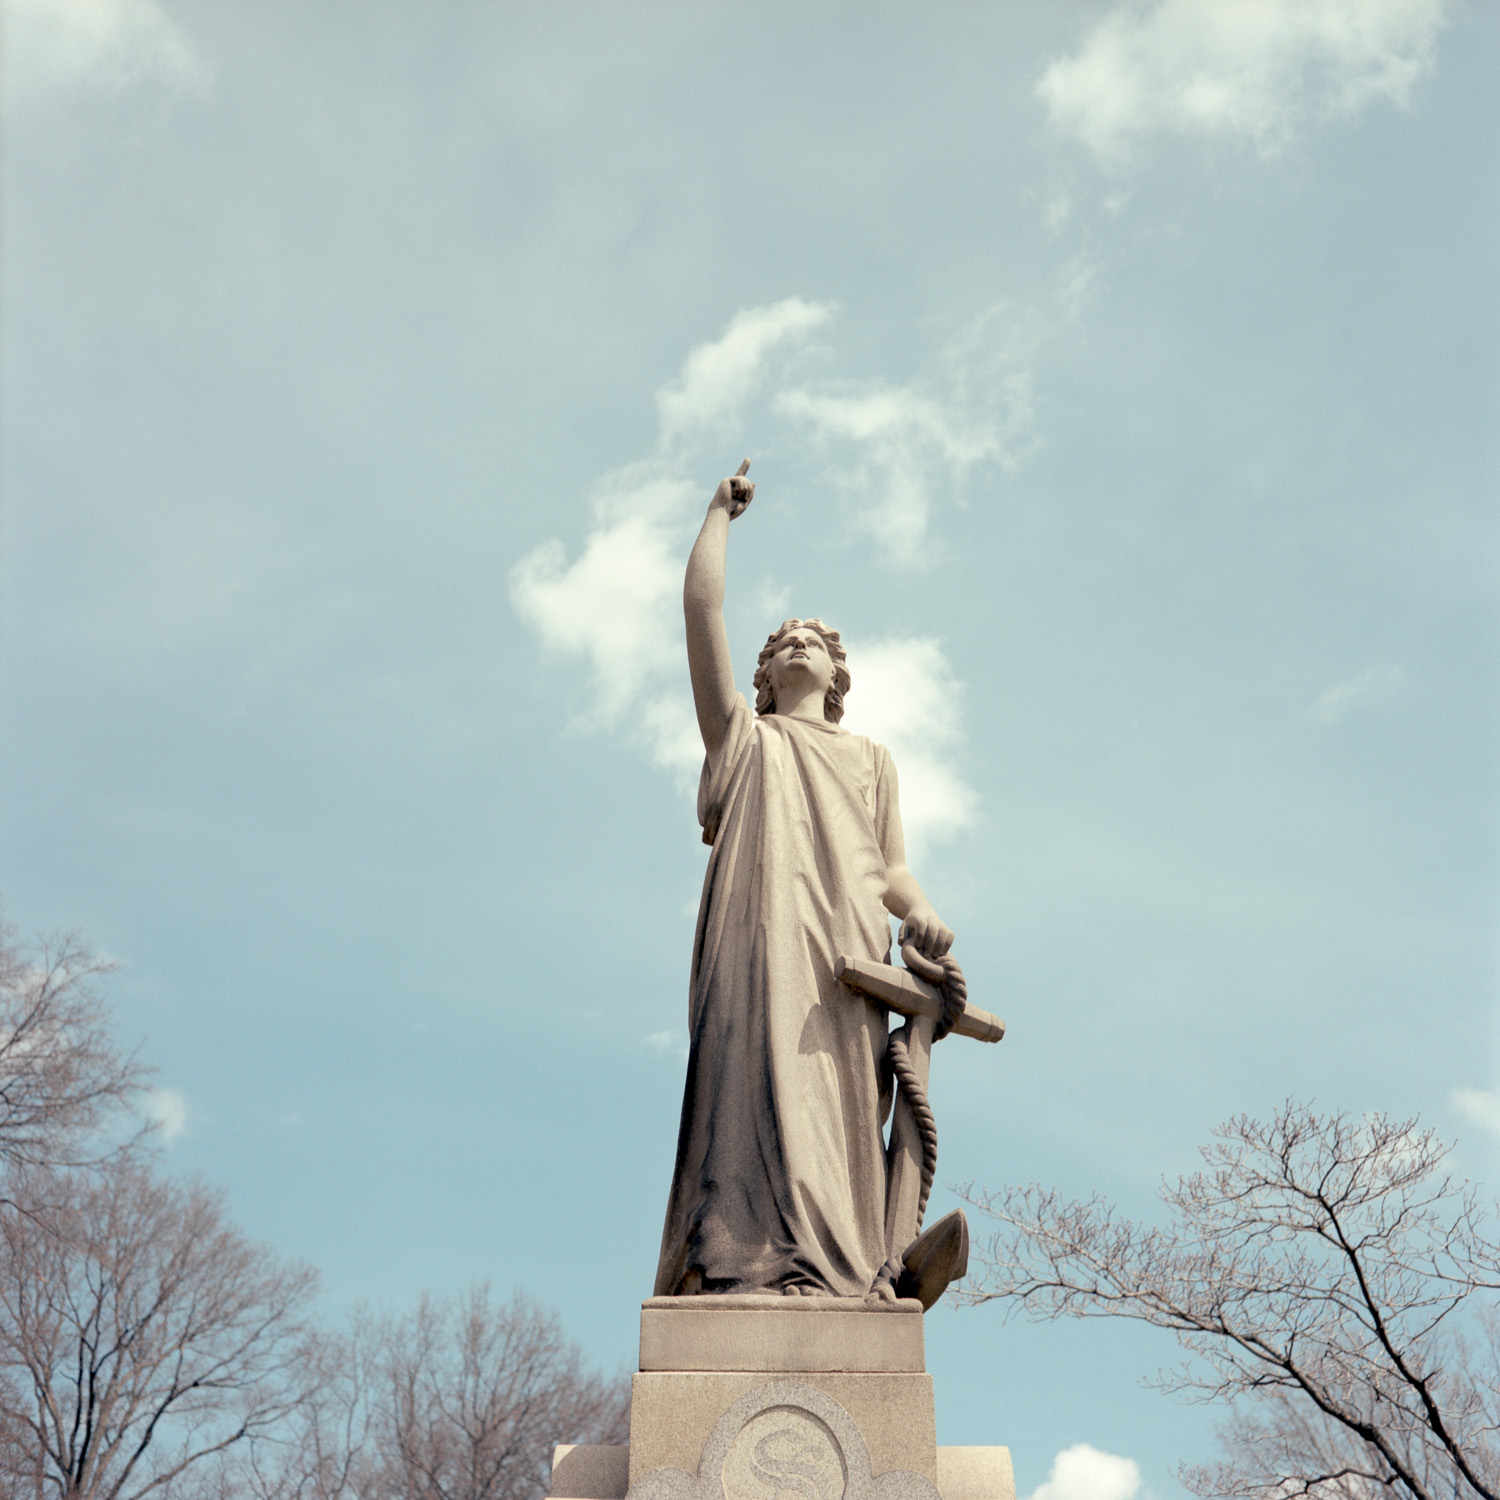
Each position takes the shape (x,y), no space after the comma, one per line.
(784,1441)
(785,1453)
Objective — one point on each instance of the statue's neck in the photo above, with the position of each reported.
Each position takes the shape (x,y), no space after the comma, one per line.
(808,707)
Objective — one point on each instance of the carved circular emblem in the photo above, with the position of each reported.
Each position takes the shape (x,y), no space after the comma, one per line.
(784,1453)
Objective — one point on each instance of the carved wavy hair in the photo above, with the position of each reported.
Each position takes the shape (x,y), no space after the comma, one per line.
(833,699)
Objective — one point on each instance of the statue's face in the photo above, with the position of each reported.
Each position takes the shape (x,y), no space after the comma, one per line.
(801,660)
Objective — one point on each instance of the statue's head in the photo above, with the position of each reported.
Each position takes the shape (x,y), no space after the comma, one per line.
(803,646)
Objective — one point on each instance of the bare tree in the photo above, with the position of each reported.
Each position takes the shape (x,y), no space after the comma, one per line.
(459,1400)
(326,1448)
(142,1337)
(61,1073)
(476,1395)
(1335,1283)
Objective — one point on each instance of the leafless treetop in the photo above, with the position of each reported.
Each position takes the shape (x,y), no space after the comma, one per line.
(62,1075)
(1335,1283)
(141,1334)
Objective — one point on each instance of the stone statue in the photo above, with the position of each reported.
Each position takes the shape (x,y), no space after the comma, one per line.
(781,1174)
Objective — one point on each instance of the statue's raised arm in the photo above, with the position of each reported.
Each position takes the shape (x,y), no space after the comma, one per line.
(703,608)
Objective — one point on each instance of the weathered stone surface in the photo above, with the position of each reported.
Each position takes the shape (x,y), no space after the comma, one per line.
(781,1334)
(975,1474)
(782,1435)
(937,1258)
(774,1301)
(784,1443)
(782,1180)
(721,1434)
(603,1473)
(908,995)
(674,1413)
(584,1471)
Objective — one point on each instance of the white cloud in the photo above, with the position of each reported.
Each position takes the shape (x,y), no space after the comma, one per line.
(1085,1473)
(52,46)
(1478,1107)
(668,1043)
(897,447)
(1079,278)
(167,1109)
(905,697)
(716,378)
(1250,68)
(617,604)
(1373,685)
(771,600)
(906,441)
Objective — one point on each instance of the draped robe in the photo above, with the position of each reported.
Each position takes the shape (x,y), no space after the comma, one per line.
(780,1176)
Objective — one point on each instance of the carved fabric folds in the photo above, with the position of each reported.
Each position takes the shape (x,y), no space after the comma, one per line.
(780,1175)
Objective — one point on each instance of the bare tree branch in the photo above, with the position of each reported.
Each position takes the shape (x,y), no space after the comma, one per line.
(476,1396)
(1330,1278)
(460,1400)
(141,1336)
(148,1350)
(62,1077)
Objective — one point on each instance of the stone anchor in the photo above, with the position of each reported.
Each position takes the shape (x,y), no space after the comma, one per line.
(920,1264)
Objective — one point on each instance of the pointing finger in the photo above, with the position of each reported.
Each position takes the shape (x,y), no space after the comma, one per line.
(742,469)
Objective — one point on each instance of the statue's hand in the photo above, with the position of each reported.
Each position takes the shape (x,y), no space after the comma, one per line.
(734,493)
(926,931)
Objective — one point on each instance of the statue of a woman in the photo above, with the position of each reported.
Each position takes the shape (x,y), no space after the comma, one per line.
(780,1182)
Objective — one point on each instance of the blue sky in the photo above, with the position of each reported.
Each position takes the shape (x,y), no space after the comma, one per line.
(1121,381)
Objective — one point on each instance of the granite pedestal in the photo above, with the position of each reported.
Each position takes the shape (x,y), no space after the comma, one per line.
(781,1398)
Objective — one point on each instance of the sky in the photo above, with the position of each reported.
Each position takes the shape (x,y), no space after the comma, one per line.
(1119,379)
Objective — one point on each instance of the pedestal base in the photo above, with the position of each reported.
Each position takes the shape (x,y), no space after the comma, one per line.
(780,1398)
(674,1416)
(582,1472)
